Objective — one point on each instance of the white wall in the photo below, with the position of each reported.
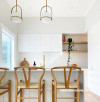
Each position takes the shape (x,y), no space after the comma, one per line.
(93,16)
(7,23)
(5,12)
(93,26)
(32,25)
(55,59)
(94,59)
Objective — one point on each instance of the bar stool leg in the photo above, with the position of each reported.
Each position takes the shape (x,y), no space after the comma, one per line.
(39,94)
(78,95)
(44,91)
(9,91)
(20,92)
(55,93)
(20,95)
(75,95)
(16,93)
(52,93)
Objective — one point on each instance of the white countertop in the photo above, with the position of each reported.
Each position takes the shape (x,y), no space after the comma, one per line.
(49,69)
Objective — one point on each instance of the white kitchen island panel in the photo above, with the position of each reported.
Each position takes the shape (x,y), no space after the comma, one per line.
(48,90)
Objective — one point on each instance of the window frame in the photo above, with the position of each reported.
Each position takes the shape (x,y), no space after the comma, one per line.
(9,34)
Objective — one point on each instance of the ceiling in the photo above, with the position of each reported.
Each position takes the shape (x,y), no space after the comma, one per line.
(61,8)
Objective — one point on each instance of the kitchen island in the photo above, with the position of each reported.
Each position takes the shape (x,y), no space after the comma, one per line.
(48,81)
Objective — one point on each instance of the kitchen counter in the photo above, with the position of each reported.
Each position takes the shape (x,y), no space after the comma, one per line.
(49,69)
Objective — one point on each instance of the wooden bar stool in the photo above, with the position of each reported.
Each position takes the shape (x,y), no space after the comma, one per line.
(66,84)
(26,84)
(5,85)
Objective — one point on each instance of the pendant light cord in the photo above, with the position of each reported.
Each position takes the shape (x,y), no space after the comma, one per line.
(16,5)
(46,5)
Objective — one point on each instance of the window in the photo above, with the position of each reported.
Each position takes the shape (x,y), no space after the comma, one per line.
(7,50)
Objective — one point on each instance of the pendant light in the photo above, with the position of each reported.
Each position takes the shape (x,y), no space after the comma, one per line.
(46,16)
(16,13)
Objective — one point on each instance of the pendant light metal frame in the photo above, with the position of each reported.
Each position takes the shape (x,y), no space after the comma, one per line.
(17,10)
(46,11)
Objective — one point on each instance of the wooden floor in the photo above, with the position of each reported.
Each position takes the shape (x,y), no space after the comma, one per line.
(91,97)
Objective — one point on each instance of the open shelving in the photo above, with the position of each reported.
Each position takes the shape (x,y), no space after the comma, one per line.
(79,41)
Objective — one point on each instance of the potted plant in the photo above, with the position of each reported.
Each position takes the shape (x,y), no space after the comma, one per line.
(69,49)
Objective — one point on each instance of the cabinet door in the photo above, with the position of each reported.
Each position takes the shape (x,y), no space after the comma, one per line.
(34,43)
(56,43)
(23,43)
(51,43)
(45,43)
(29,43)
(40,43)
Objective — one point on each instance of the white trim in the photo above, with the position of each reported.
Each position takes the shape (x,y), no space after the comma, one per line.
(8,32)
(0,44)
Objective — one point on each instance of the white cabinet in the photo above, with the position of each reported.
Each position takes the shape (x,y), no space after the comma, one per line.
(29,43)
(51,43)
(46,43)
(34,43)
(23,43)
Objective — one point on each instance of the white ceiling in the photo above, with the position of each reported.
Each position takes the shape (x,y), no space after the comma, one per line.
(61,8)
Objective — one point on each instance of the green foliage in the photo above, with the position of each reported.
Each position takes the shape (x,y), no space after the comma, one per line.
(69,49)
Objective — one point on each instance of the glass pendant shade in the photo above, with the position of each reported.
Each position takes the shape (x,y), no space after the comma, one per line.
(16,17)
(16,13)
(46,17)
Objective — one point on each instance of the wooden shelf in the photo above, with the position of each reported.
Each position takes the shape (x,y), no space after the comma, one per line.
(75,34)
(75,51)
(76,42)
(80,41)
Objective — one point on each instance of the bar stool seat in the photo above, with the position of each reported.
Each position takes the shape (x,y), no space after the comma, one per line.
(32,85)
(72,85)
(3,84)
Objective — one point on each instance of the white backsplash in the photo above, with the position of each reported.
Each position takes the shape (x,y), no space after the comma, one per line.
(55,59)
